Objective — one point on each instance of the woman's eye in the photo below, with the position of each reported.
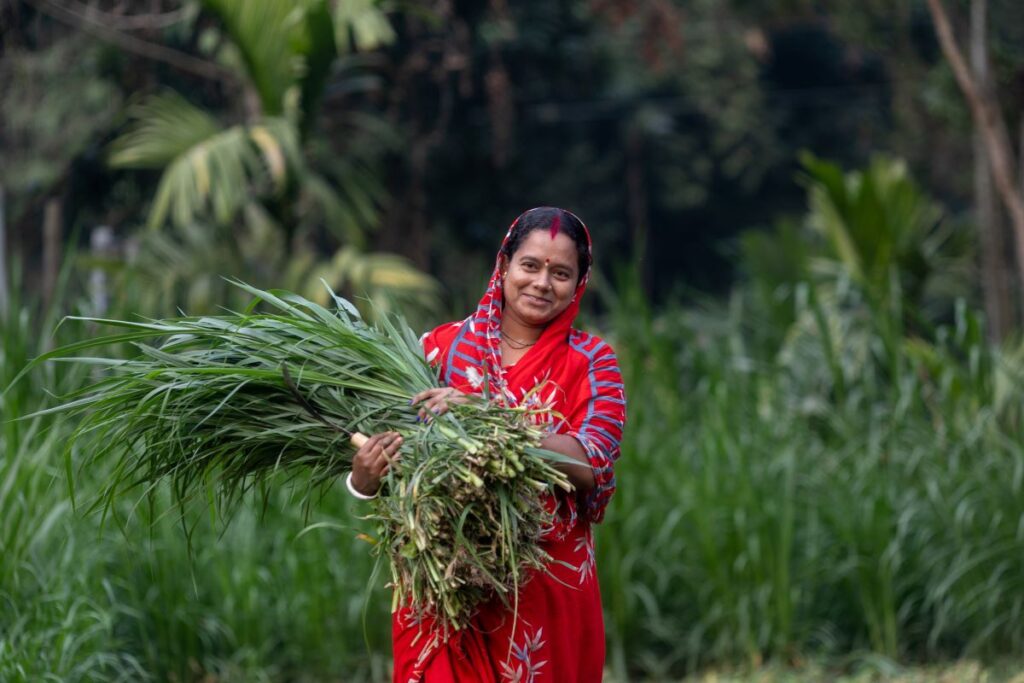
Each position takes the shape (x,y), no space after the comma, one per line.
(529,266)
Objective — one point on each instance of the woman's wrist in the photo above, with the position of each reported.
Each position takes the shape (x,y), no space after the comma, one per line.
(580,473)
(355,492)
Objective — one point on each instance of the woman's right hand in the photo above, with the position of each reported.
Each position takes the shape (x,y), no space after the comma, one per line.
(371,461)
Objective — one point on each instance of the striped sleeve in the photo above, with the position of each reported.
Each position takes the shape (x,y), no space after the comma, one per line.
(431,347)
(437,341)
(598,423)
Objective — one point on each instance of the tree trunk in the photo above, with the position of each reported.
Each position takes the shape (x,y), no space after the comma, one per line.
(990,124)
(52,248)
(994,275)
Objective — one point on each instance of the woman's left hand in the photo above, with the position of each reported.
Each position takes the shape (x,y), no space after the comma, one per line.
(436,401)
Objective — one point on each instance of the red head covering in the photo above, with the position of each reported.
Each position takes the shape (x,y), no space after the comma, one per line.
(572,375)
(476,352)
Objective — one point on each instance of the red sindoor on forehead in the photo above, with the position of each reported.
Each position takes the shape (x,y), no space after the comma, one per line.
(556,222)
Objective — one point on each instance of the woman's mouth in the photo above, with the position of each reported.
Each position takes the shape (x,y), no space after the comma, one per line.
(535,299)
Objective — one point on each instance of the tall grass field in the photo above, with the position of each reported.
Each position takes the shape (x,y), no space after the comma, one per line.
(844,497)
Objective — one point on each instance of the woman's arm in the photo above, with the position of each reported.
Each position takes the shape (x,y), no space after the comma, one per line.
(581,476)
(597,424)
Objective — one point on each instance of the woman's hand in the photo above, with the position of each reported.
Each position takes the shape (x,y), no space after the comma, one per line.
(436,401)
(372,460)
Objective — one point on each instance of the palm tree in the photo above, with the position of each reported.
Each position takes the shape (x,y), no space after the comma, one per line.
(247,196)
(888,236)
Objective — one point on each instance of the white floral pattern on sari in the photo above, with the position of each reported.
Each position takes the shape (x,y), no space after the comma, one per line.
(586,544)
(523,668)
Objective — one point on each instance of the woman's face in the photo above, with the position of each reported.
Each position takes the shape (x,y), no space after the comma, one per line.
(540,278)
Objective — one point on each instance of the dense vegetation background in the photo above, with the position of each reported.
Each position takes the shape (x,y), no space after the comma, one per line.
(807,263)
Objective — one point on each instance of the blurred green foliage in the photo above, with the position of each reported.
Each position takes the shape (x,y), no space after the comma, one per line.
(244,183)
(823,456)
(819,480)
(670,127)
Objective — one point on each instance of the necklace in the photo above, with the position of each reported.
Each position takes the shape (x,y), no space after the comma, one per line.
(515,343)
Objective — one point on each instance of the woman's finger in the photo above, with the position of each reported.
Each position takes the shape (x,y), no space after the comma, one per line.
(431,394)
(388,445)
(434,401)
(389,451)
(381,467)
(384,462)
(373,442)
(425,394)
(432,409)
(371,446)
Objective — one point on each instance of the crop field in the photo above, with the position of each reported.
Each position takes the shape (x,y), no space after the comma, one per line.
(804,505)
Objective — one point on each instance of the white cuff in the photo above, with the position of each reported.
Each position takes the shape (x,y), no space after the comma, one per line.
(352,489)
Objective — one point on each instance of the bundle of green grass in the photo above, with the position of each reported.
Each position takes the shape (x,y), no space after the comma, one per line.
(220,405)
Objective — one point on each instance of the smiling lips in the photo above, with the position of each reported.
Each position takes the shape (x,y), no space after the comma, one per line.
(535,299)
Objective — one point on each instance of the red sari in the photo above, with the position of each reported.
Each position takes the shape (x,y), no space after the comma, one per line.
(557,636)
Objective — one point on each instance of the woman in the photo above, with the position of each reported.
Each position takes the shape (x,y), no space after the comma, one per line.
(520,337)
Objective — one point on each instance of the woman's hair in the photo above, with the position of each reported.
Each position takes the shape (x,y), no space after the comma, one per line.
(544,218)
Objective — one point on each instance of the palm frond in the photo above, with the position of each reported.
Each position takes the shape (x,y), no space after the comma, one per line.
(210,171)
(163,128)
(350,208)
(264,33)
(387,281)
(184,268)
(876,222)
(361,25)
